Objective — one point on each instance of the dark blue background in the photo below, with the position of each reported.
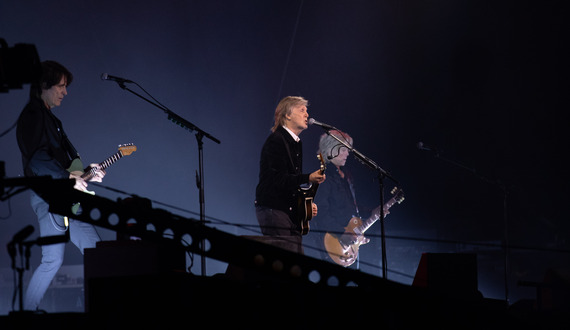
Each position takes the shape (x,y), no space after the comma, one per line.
(483,81)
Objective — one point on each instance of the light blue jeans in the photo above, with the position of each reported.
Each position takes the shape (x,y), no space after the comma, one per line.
(82,234)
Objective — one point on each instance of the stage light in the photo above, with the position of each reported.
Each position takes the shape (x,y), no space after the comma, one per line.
(18,65)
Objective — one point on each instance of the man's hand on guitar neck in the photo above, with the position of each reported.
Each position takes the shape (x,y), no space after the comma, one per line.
(317,177)
(97,174)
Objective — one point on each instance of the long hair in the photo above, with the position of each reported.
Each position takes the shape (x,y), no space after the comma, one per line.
(329,146)
(51,74)
(285,107)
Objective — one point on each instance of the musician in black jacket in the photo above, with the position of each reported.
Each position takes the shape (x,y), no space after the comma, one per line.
(46,151)
(280,173)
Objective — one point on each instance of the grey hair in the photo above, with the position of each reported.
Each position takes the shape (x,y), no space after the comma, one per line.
(329,146)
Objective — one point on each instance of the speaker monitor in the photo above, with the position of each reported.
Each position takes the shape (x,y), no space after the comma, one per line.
(449,272)
(127,259)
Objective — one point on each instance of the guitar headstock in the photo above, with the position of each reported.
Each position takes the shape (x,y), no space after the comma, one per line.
(398,194)
(127,149)
(322,160)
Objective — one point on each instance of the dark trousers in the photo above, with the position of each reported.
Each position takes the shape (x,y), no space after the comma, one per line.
(275,222)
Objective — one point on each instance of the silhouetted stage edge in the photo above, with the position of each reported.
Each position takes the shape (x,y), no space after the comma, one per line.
(266,285)
(181,298)
(125,292)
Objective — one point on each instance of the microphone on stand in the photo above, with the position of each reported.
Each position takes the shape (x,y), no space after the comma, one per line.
(22,234)
(312,121)
(422,146)
(106,76)
(17,239)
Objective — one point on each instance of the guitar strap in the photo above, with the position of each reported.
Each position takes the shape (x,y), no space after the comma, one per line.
(349,180)
(69,148)
(71,151)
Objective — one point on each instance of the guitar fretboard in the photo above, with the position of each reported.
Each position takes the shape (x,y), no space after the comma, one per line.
(111,160)
(376,215)
(103,165)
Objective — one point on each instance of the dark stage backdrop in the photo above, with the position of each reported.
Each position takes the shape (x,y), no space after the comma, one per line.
(484,82)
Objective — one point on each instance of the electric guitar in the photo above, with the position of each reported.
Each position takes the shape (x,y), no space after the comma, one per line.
(305,199)
(89,172)
(345,253)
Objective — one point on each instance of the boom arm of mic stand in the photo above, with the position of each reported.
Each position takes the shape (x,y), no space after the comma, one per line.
(172,116)
(188,125)
(370,163)
(505,192)
(363,159)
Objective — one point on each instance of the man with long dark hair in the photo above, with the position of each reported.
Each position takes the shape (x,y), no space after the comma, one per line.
(46,150)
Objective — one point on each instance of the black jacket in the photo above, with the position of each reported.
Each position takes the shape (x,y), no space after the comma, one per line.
(336,203)
(45,148)
(280,174)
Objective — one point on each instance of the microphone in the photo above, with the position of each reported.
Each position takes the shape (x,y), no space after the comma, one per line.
(17,239)
(22,234)
(312,121)
(106,76)
(420,145)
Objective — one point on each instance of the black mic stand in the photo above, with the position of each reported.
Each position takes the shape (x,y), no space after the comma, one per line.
(25,248)
(20,270)
(200,134)
(381,175)
(498,183)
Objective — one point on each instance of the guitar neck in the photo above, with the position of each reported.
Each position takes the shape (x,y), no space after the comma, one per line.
(104,164)
(111,160)
(375,216)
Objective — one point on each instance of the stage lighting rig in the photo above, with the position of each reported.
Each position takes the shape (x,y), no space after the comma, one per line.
(19,65)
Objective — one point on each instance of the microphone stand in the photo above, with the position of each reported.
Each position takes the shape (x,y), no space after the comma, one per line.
(200,134)
(20,270)
(498,183)
(25,246)
(381,175)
